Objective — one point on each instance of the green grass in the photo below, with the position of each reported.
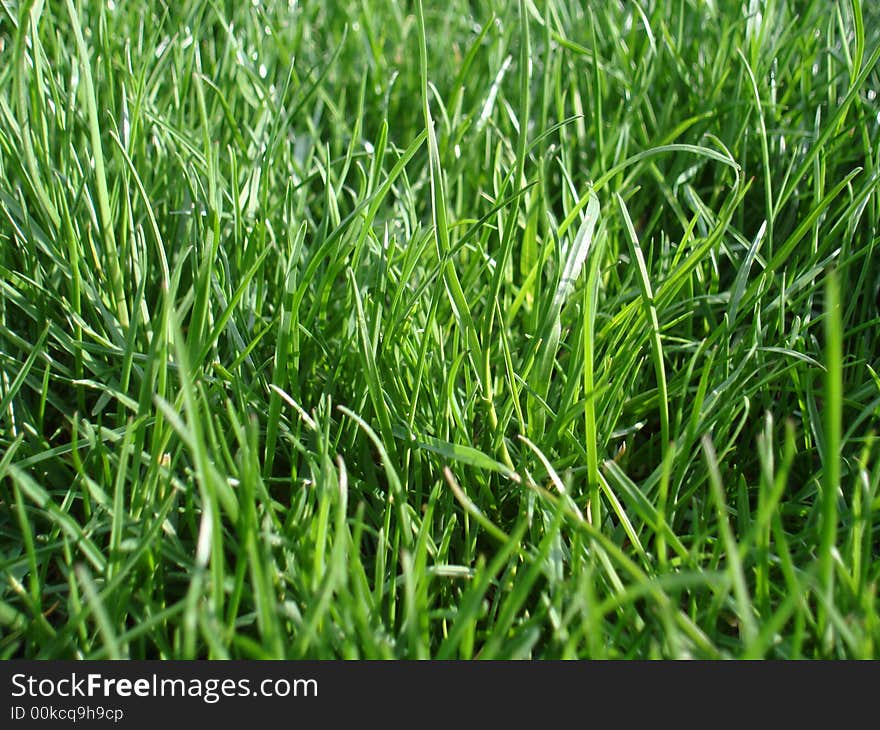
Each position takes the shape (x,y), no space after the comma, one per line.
(536,329)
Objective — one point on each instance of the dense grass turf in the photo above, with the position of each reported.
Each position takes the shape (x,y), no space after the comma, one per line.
(494,330)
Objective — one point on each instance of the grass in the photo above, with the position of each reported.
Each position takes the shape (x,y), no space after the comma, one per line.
(536,329)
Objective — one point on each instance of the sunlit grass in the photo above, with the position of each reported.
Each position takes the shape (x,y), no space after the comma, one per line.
(474,330)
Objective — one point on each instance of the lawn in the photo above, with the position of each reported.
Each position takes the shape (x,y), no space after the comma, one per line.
(380,329)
